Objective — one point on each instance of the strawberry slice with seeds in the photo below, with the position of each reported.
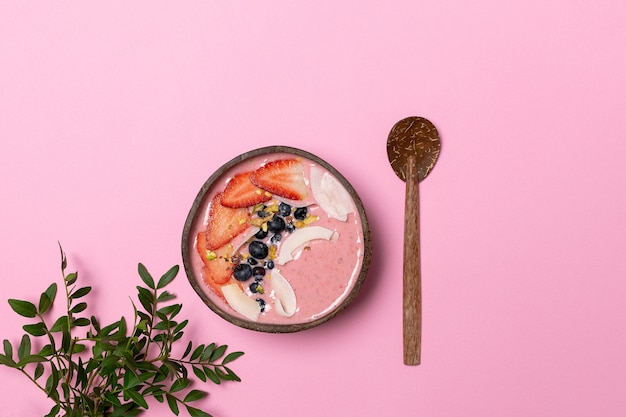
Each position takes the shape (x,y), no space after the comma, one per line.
(224,223)
(240,192)
(284,178)
(218,264)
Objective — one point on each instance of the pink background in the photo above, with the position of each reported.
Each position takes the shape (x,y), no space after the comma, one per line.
(113,114)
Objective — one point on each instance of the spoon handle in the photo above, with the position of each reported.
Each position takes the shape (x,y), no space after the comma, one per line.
(412,291)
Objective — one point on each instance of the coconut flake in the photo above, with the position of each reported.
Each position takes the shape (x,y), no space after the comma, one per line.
(240,302)
(299,238)
(330,194)
(285,301)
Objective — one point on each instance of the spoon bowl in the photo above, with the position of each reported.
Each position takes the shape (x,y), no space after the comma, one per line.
(413,147)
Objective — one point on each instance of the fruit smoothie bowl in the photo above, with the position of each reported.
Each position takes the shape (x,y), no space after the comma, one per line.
(276,241)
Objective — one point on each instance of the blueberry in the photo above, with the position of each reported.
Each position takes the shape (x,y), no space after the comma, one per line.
(276,225)
(258,249)
(261,304)
(256,288)
(242,272)
(252,261)
(276,238)
(284,209)
(300,213)
(262,213)
(269,264)
(261,234)
(258,271)
(290,227)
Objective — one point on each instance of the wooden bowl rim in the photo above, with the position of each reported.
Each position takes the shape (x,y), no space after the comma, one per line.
(267,327)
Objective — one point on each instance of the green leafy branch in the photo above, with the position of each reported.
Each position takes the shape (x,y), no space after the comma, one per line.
(113,370)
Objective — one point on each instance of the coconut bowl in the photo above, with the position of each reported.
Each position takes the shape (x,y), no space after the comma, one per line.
(317,257)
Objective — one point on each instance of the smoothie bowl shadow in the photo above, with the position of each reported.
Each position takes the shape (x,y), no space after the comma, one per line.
(277,241)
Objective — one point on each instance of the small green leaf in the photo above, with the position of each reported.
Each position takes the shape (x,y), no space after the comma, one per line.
(54,411)
(179,384)
(194,395)
(170,310)
(66,389)
(196,412)
(45,302)
(52,382)
(23,308)
(106,330)
(95,323)
(31,359)
(144,317)
(71,278)
(166,296)
(92,364)
(164,372)
(163,325)
(181,326)
(24,348)
(131,380)
(136,397)
(78,348)
(145,276)
(211,375)
(146,298)
(197,352)
(199,373)
(7,361)
(47,350)
(79,307)
(168,277)
(173,404)
(218,353)
(8,348)
(66,339)
(59,324)
(81,322)
(221,374)
(233,376)
(37,329)
(81,374)
(113,399)
(188,349)
(231,357)
(81,292)
(109,364)
(38,371)
(51,291)
(206,354)
(63,259)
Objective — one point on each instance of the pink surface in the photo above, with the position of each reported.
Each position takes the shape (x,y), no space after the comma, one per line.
(113,114)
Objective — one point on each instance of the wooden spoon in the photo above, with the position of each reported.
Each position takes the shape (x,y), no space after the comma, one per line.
(413,147)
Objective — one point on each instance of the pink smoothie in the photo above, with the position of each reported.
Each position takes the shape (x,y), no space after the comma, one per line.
(322,274)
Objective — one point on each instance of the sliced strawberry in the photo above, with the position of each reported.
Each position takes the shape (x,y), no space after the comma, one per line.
(214,286)
(224,223)
(218,263)
(240,192)
(284,177)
